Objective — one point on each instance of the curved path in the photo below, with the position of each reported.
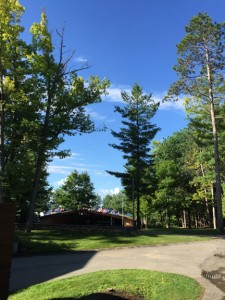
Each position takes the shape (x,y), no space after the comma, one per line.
(186,258)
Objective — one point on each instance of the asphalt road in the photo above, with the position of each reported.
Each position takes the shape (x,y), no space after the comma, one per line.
(187,258)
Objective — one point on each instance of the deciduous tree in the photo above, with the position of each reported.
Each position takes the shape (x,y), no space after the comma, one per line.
(12,76)
(76,192)
(174,189)
(61,97)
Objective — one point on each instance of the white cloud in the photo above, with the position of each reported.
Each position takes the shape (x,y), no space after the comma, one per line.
(95,115)
(178,105)
(168,105)
(54,169)
(64,170)
(81,59)
(104,192)
(116,191)
(114,95)
(100,173)
(80,167)
(86,165)
(60,182)
(73,155)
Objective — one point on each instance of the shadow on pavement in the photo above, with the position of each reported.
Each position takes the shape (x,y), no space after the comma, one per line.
(216,277)
(27,271)
(213,268)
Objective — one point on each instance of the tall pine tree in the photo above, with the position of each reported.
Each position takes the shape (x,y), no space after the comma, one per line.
(200,71)
(135,137)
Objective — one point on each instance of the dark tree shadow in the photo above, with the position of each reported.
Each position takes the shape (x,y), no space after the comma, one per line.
(97,296)
(27,271)
(104,296)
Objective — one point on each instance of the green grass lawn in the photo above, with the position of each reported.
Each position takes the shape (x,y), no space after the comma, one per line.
(149,284)
(56,241)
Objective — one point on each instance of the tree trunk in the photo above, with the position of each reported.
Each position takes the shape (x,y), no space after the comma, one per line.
(184,219)
(133,201)
(2,129)
(214,216)
(138,211)
(205,190)
(189,219)
(34,192)
(218,177)
(196,220)
(216,150)
(7,226)
(169,220)
(39,164)
(166,219)
(138,170)
(213,207)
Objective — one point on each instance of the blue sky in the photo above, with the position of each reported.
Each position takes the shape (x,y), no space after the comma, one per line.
(126,41)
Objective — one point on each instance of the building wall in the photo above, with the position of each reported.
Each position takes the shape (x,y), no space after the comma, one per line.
(85,217)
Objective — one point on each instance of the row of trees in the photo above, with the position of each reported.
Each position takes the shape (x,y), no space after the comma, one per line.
(42,99)
(177,161)
(185,176)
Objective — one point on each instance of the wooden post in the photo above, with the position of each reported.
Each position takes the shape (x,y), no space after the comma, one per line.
(7,226)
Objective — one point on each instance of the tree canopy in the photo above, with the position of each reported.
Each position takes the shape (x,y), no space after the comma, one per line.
(76,192)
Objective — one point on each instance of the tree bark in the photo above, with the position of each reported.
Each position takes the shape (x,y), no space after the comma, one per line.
(189,219)
(213,208)
(33,196)
(2,137)
(205,190)
(7,226)
(184,219)
(196,220)
(2,200)
(218,193)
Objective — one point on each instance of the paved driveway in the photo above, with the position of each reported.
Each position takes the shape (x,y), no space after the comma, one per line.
(186,258)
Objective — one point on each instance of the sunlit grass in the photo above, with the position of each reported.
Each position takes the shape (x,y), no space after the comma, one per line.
(56,241)
(149,284)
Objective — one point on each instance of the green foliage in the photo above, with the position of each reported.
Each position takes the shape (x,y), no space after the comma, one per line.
(135,137)
(174,177)
(13,101)
(76,192)
(118,202)
(41,100)
(202,46)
